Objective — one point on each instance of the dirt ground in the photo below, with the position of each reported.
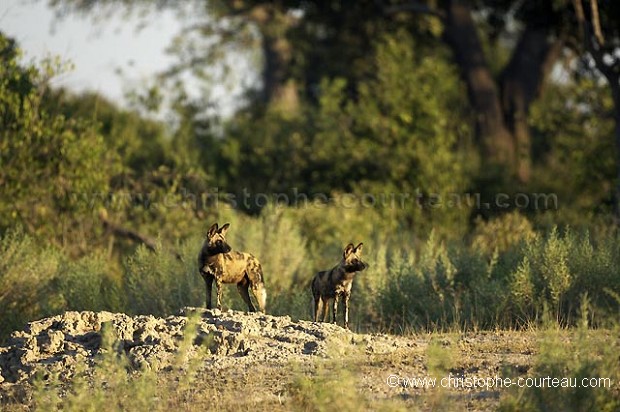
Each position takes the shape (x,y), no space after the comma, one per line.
(245,361)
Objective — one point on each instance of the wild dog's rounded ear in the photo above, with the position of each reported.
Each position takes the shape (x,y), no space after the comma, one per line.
(359,248)
(348,250)
(224,229)
(212,230)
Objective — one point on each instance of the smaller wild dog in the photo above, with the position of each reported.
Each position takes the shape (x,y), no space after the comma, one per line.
(217,262)
(336,283)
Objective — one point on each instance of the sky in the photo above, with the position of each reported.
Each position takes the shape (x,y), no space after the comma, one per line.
(97,50)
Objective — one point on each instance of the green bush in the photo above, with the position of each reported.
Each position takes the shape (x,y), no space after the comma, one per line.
(39,280)
(27,272)
(501,233)
(47,161)
(556,270)
(87,284)
(458,285)
(158,283)
(592,356)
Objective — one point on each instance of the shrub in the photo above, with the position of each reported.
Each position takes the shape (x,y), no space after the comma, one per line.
(465,287)
(501,233)
(556,270)
(158,283)
(27,271)
(87,284)
(592,355)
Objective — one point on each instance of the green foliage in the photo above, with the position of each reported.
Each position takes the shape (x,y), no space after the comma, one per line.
(264,155)
(38,280)
(65,158)
(39,151)
(545,267)
(460,286)
(556,270)
(26,273)
(406,130)
(573,124)
(357,223)
(87,284)
(586,369)
(157,283)
(501,233)
(421,291)
(139,143)
(395,144)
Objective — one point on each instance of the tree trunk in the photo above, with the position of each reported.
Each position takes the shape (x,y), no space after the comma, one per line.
(521,83)
(279,88)
(501,118)
(460,33)
(594,42)
(615,93)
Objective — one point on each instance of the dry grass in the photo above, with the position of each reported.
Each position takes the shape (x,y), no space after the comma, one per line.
(350,379)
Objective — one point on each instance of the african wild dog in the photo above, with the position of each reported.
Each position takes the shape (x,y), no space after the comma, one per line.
(217,262)
(336,283)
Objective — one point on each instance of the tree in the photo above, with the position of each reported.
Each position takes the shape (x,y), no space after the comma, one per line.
(217,28)
(47,162)
(504,50)
(574,155)
(302,42)
(500,104)
(395,144)
(139,142)
(600,33)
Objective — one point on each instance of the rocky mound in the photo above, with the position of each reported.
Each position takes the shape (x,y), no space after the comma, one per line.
(227,346)
(60,343)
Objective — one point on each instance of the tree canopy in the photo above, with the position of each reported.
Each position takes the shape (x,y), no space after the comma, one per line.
(431,101)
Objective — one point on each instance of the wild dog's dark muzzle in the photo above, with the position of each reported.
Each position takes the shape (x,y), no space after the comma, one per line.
(219,247)
(356,266)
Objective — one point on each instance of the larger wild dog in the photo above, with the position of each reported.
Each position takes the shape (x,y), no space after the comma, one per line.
(217,262)
(336,283)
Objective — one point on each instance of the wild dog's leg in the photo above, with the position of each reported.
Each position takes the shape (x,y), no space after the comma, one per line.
(335,308)
(218,290)
(209,287)
(346,309)
(243,288)
(317,299)
(325,308)
(317,307)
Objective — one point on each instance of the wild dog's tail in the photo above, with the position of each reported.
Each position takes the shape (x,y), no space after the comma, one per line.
(262,298)
(258,288)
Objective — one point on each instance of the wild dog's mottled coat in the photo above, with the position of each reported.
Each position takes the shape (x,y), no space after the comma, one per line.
(217,262)
(336,283)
